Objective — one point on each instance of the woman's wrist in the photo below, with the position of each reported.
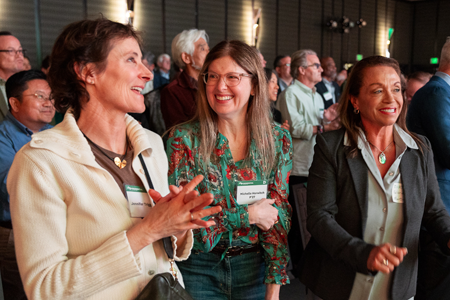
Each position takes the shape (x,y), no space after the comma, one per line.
(272,291)
(139,238)
(252,215)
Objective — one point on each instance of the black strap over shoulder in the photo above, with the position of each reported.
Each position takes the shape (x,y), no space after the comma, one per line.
(167,240)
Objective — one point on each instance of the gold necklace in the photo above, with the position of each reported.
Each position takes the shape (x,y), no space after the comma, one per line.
(381,156)
(119,163)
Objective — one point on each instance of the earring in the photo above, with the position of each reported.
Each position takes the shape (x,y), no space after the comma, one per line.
(356,111)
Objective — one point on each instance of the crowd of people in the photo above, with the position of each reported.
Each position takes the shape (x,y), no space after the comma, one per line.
(204,149)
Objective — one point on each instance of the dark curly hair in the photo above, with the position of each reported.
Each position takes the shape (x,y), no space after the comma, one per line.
(82,42)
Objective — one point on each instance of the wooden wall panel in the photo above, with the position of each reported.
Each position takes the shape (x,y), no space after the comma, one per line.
(148,19)
(287,27)
(212,19)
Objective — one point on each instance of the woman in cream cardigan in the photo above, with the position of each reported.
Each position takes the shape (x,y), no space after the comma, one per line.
(82,220)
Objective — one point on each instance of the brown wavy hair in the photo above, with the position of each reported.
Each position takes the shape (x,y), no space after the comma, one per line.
(82,42)
(349,119)
(258,111)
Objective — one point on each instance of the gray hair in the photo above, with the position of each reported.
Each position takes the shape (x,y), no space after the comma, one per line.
(445,54)
(162,56)
(298,59)
(148,56)
(184,42)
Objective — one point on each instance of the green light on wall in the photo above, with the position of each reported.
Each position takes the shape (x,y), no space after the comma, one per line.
(434,60)
(390,32)
(359,57)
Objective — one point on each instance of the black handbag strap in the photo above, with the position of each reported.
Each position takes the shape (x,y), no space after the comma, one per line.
(167,240)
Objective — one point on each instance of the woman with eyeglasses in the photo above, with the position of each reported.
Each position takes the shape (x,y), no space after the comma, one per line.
(246,161)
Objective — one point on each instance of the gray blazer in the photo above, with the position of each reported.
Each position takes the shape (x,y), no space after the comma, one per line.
(337,215)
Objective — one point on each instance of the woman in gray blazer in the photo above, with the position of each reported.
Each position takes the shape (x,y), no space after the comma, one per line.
(371,185)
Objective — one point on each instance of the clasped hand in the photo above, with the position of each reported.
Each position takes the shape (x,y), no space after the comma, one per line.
(385,258)
(263,214)
(174,214)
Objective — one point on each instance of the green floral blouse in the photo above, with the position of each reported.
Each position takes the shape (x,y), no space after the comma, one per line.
(185,163)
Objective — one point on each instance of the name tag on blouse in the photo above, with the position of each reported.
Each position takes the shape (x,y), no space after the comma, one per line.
(249,192)
(397,193)
(139,202)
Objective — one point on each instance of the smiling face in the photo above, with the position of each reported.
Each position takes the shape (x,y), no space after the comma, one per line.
(119,86)
(228,102)
(273,88)
(31,111)
(380,98)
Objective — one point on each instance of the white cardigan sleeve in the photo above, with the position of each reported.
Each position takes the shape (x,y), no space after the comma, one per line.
(39,216)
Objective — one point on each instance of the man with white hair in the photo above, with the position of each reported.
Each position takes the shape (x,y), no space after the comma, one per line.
(303,107)
(11,62)
(429,115)
(162,74)
(178,98)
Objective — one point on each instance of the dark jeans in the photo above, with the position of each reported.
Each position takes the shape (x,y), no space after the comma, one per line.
(294,236)
(239,277)
(12,284)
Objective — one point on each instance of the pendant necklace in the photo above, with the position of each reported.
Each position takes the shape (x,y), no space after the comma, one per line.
(381,156)
(119,163)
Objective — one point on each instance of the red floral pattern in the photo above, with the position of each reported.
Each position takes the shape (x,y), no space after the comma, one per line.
(185,163)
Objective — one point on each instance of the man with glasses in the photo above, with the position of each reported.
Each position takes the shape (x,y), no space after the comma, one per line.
(303,107)
(11,62)
(328,88)
(282,66)
(30,111)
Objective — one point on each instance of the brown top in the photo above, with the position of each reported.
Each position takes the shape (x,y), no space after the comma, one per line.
(178,100)
(121,176)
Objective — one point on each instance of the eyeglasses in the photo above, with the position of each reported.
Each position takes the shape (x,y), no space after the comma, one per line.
(317,65)
(14,52)
(41,97)
(287,65)
(230,79)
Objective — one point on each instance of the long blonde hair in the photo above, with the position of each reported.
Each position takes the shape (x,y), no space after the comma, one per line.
(259,125)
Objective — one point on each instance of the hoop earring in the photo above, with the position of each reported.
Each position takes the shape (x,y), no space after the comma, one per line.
(356,111)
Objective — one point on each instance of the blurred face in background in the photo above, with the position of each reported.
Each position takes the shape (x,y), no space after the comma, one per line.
(11,56)
(412,86)
(329,68)
(26,64)
(164,65)
(273,88)
(284,69)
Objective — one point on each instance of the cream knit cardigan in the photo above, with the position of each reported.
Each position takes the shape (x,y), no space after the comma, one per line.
(70,217)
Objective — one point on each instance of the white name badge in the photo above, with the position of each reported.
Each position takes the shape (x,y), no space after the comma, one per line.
(327,96)
(139,202)
(397,193)
(249,192)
